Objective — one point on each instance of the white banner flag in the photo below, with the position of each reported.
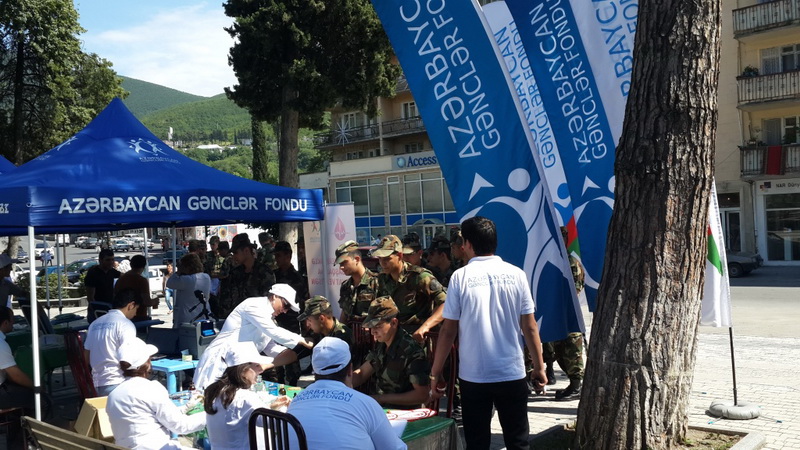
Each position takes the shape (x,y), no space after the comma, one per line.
(716,307)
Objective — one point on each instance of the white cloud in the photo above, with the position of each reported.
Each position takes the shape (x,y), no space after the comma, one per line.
(184,48)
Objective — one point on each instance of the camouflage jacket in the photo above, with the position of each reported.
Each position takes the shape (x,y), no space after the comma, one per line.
(354,300)
(241,285)
(443,276)
(340,331)
(267,257)
(213,263)
(399,366)
(417,293)
(577,273)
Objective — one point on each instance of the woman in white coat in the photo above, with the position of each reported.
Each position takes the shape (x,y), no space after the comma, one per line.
(229,402)
(188,278)
(253,320)
(141,413)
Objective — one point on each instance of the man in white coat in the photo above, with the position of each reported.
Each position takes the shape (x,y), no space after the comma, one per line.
(252,320)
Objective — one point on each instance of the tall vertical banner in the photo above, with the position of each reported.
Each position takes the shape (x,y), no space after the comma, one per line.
(581,55)
(479,134)
(321,239)
(715,310)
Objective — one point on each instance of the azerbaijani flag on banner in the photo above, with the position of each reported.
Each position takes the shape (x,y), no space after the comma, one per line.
(581,55)
(481,139)
(716,306)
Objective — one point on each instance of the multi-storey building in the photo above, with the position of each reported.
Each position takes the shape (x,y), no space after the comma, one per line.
(758,143)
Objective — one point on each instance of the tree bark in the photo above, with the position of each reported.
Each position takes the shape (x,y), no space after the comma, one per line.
(260,157)
(287,163)
(644,338)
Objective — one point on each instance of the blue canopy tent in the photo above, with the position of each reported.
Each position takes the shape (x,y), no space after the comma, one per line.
(115,174)
(6,165)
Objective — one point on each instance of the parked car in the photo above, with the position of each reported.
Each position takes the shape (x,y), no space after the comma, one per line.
(40,248)
(79,240)
(121,245)
(76,268)
(90,243)
(22,255)
(50,270)
(742,263)
(178,254)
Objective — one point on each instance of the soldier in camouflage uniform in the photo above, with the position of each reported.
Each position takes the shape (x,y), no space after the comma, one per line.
(248,279)
(398,364)
(357,292)
(319,317)
(568,352)
(266,254)
(286,273)
(439,261)
(412,250)
(457,249)
(418,294)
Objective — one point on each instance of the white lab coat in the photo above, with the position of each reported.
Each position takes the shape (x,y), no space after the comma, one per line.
(250,321)
(142,416)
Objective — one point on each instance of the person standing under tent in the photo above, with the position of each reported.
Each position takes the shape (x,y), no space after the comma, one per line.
(250,278)
(100,281)
(188,279)
(133,279)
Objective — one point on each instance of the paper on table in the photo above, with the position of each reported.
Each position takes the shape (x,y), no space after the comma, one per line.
(399,426)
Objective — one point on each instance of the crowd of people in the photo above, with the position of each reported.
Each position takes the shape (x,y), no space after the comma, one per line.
(388,347)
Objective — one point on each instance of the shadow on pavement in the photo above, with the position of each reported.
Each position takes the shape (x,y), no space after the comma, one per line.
(770,276)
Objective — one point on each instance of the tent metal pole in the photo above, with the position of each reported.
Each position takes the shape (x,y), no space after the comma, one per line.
(37,389)
(733,366)
(58,274)
(174,249)
(46,276)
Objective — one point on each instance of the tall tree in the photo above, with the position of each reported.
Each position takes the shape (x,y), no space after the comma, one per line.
(295,58)
(644,337)
(260,158)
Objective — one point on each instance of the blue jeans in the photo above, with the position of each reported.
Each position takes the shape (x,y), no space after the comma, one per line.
(168,298)
(103,391)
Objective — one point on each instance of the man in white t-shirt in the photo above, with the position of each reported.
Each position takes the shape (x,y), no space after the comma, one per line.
(104,337)
(488,306)
(332,413)
(16,388)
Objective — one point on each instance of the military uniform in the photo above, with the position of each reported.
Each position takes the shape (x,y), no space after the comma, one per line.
(417,294)
(213,263)
(443,276)
(266,256)
(354,300)
(399,366)
(241,285)
(293,278)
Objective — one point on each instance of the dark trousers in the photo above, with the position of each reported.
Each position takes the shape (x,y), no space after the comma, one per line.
(509,398)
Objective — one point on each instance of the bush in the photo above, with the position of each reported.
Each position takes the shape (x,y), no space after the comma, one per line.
(41,291)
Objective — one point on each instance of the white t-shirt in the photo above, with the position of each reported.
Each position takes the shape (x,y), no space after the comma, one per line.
(487,297)
(250,321)
(184,298)
(6,358)
(142,416)
(227,428)
(336,416)
(103,338)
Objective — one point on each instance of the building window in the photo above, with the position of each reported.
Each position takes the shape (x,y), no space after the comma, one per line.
(783,227)
(393,186)
(413,194)
(728,200)
(367,196)
(374,152)
(409,110)
(426,193)
(790,130)
(414,147)
(349,120)
(790,57)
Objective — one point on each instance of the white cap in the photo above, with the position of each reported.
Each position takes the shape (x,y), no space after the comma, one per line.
(330,355)
(136,352)
(6,260)
(288,293)
(243,353)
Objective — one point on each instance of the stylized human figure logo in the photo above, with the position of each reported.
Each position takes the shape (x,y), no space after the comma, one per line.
(137,146)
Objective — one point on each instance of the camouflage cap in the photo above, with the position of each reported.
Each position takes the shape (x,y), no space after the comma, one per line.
(239,241)
(315,306)
(439,243)
(389,244)
(343,250)
(411,243)
(381,309)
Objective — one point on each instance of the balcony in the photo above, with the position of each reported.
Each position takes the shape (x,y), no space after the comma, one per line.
(392,128)
(758,160)
(765,16)
(769,88)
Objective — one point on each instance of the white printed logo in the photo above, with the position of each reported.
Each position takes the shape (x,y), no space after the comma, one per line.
(137,146)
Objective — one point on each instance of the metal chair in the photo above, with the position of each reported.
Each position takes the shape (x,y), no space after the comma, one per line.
(363,343)
(79,366)
(450,372)
(275,429)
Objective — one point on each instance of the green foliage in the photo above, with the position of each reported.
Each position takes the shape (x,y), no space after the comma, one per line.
(41,291)
(49,88)
(147,98)
(260,154)
(216,119)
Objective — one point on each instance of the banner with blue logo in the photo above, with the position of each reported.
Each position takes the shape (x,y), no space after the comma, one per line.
(581,55)
(482,143)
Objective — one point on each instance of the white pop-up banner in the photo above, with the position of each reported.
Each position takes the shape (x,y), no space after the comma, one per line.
(322,238)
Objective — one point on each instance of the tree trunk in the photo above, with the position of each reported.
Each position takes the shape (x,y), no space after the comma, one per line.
(13,246)
(641,359)
(260,157)
(18,121)
(287,172)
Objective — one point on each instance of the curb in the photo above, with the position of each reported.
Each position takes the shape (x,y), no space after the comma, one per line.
(749,440)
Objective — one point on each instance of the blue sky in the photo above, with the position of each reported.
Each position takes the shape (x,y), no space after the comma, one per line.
(176,43)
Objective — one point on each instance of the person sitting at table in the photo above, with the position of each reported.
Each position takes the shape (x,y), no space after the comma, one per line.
(332,413)
(141,414)
(229,402)
(188,279)
(397,361)
(252,320)
(16,388)
(106,335)
(319,318)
